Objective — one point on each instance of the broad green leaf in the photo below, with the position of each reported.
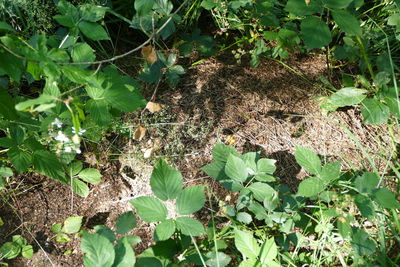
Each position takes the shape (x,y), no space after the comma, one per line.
(246,244)
(7,108)
(132,239)
(82,52)
(190,200)
(5,172)
(217,259)
(385,198)
(9,250)
(330,172)
(258,210)
(19,158)
(124,97)
(62,238)
(347,22)
(5,27)
(216,170)
(99,112)
(75,167)
(106,232)
(269,251)
(80,188)
(311,187)
(42,99)
(394,106)
(367,182)
(93,31)
(150,209)
(48,164)
(125,222)
(253,262)
(266,165)
(17,134)
(64,20)
(27,252)
(337,4)
(124,254)
(315,32)
(56,228)
(6,142)
(362,243)
(348,96)
(19,240)
(374,111)
(165,181)
(221,152)
(365,205)
(98,251)
(90,175)
(164,230)
(261,190)
(250,159)
(308,159)
(11,65)
(143,6)
(72,225)
(244,217)
(236,169)
(189,226)
(91,12)
(301,8)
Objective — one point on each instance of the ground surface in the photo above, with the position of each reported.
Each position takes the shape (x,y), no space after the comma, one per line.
(268,109)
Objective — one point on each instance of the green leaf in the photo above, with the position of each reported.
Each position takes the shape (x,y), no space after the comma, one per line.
(347,22)
(132,239)
(19,158)
(164,230)
(337,4)
(5,27)
(98,110)
(125,222)
(374,111)
(64,20)
(62,238)
(215,170)
(98,250)
(150,209)
(190,200)
(308,159)
(19,240)
(123,97)
(42,99)
(82,52)
(90,175)
(246,244)
(72,225)
(143,6)
(5,172)
(189,226)
(385,198)
(106,232)
(311,187)
(244,217)
(7,109)
(75,167)
(165,181)
(48,164)
(261,191)
(365,205)
(236,169)
(269,251)
(300,8)
(367,182)
(10,250)
(250,263)
(93,31)
(316,33)
(124,254)
(27,252)
(362,244)
(56,228)
(221,152)
(91,12)
(348,96)
(17,134)
(217,259)
(266,165)
(80,188)
(330,172)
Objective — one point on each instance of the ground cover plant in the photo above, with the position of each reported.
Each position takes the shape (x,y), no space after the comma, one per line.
(65,93)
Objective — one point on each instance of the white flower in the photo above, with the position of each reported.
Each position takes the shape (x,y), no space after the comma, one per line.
(68,149)
(78,150)
(61,137)
(81,131)
(57,122)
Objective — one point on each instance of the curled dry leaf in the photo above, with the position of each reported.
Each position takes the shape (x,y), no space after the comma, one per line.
(149,53)
(153,107)
(140,132)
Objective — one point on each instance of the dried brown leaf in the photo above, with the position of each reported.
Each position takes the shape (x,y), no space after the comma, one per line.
(140,132)
(153,107)
(149,53)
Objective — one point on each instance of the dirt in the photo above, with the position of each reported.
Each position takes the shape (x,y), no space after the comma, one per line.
(268,109)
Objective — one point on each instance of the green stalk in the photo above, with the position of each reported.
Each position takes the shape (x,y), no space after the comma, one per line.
(365,56)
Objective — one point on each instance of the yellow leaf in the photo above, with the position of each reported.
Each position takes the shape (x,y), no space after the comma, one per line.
(307,2)
(149,53)
(140,132)
(153,107)
(1,222)
(230,140)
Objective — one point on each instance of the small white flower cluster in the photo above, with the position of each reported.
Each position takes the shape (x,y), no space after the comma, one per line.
(64,142)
